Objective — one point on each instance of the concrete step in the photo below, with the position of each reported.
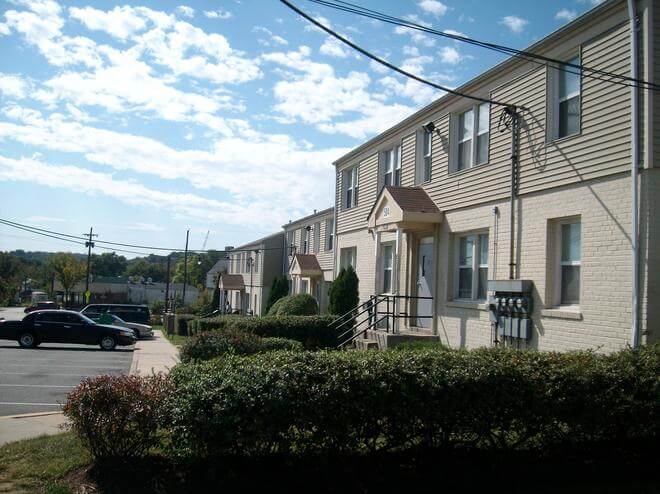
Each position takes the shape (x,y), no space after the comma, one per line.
(366,344)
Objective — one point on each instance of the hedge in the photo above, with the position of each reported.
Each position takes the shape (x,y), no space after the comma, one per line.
(212,344)
(313,332)
(357,402)
(182,323)
(300,304)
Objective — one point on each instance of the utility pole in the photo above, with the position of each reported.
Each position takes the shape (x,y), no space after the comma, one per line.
(185,267)
(167,283)
(89,244)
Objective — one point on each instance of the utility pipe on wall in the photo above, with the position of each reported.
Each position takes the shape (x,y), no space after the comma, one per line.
(634,336)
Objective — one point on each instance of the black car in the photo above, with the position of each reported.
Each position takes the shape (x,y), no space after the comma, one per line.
(64,326)
(41,306)
(127,312)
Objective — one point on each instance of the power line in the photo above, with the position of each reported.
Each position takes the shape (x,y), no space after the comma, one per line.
(388,64)
(525,55)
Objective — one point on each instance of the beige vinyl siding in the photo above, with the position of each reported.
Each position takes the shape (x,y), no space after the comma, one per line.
(324,257)
(408,158)
(356,217)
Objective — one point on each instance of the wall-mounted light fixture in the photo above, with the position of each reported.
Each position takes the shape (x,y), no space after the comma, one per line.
(429,127)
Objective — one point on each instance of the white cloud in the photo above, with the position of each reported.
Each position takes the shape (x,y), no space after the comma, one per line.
(12,86)
(416,36)
(450,55)
(218,14)
(566,15)
(186,11)
(120,22)
(273,39)
(514,23)
(434,7)
(333,48)
(454,33)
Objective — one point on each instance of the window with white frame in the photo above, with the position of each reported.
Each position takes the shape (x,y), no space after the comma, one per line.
(564,92)
(304,285)
(329,233)
(350,187)
(317,237)
(472,136)
(392,166)
(388,264)
(347,257)
(289,242)
(570,260)
(472,267)
(305,240)
(425,158)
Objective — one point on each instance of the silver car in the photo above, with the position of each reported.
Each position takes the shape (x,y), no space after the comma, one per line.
(140,330)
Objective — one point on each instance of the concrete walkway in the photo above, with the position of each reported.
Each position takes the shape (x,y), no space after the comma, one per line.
(153,355)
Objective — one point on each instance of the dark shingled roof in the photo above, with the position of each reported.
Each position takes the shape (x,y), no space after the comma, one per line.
(413,199)
(308,262)
(232,281)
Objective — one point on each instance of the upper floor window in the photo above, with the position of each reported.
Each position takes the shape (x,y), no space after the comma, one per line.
(564,94)
(392,166)
(350,187)
(289,242)
(471,137)
(425,168)
(305,240)
(317,237)
(472,267)
(329,233)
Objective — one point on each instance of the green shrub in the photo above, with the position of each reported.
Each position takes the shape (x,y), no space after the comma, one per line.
(118,417)
(211,344)
(272,344)
(181,323)
(355,402)
(312,331)
(344,292)
(300,304)
(279,289)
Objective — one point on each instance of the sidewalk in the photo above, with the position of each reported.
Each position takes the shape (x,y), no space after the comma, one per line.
(154,355)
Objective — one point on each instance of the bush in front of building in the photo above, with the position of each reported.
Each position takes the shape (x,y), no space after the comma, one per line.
(364,402)
(300,304)
(344,292)
(313,332)
(279,289)
(182,322)
(119,417)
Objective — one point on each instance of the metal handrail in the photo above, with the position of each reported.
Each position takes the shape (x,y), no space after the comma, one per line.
(375,323)
(359,313)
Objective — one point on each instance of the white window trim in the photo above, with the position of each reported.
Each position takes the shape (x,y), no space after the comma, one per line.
(390,166)
(421,177)
(329,234)
(342,257)
(305,239)
(553,99)
(317,237)
(383,267)
(350,182)
(559,263)
(455,139)
(476,263)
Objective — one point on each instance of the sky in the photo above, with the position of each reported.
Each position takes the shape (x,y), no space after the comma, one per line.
(148,118)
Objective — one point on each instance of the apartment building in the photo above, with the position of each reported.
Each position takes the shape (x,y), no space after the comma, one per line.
(309,260)
(252,267)
(480,222)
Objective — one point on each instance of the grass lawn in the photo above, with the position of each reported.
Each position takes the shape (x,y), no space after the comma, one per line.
(35,465)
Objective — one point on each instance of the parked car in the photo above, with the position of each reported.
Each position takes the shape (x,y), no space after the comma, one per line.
(141,330)
(45,304)
(64,326)
(128,312)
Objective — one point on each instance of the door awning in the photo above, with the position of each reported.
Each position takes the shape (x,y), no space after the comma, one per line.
(408,208)
(305,265)
(231,282)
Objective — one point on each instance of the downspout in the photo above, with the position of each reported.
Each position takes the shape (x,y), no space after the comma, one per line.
(335,251)
(512,199)
(634,172)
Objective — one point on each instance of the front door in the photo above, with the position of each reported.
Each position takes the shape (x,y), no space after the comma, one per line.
(425,280)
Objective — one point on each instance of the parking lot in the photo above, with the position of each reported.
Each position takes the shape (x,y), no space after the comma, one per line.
(37,380)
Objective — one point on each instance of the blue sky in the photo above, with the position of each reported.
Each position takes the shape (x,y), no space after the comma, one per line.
(144,119)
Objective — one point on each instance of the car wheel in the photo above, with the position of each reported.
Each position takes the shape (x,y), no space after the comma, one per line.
(27,340)
(108,343)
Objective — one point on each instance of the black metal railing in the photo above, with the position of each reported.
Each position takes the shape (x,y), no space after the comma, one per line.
(375,316)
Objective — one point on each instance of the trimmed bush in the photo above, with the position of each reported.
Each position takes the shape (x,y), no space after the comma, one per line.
(278,289)
(300,304)
(212,344)
(118,417)
(357,402)
(181,324)
(344,292)
(313,332)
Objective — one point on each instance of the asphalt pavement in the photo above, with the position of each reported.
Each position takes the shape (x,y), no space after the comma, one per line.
(38,380)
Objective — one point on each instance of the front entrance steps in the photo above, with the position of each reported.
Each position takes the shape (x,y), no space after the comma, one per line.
(378,339)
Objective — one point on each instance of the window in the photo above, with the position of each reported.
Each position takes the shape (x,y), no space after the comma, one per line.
(305,240)
(564,92)
(317,237)
(388,263)
(471,137)
(392,166)
(304,286)
(329,233)
(472,267)
(427,140)
(289,242)
(570,260)
(347,257)
(256,262)
(351,187)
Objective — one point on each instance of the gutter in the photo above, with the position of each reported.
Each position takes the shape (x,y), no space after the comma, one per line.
(634,173)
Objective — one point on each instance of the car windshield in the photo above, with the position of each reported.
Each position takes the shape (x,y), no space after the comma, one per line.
(118,319)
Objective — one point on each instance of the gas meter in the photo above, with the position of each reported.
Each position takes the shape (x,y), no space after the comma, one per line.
(510,307)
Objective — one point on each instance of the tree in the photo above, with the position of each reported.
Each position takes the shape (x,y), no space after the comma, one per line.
(143,267)
(13,270)
(344,292)
(68,271)
(279,289)
(108,264)
(195,274)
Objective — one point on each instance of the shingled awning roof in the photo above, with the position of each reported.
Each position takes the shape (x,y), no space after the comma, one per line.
(306,265)
(231,282)
(403,207)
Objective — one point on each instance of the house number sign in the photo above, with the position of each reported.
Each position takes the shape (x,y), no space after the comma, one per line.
(386,211)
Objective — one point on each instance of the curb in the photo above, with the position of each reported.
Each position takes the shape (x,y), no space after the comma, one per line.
(30,415)
(136,358)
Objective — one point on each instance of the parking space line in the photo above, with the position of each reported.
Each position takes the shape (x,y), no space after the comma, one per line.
(64,366)
(35,374)
(36,386)
(31,404)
